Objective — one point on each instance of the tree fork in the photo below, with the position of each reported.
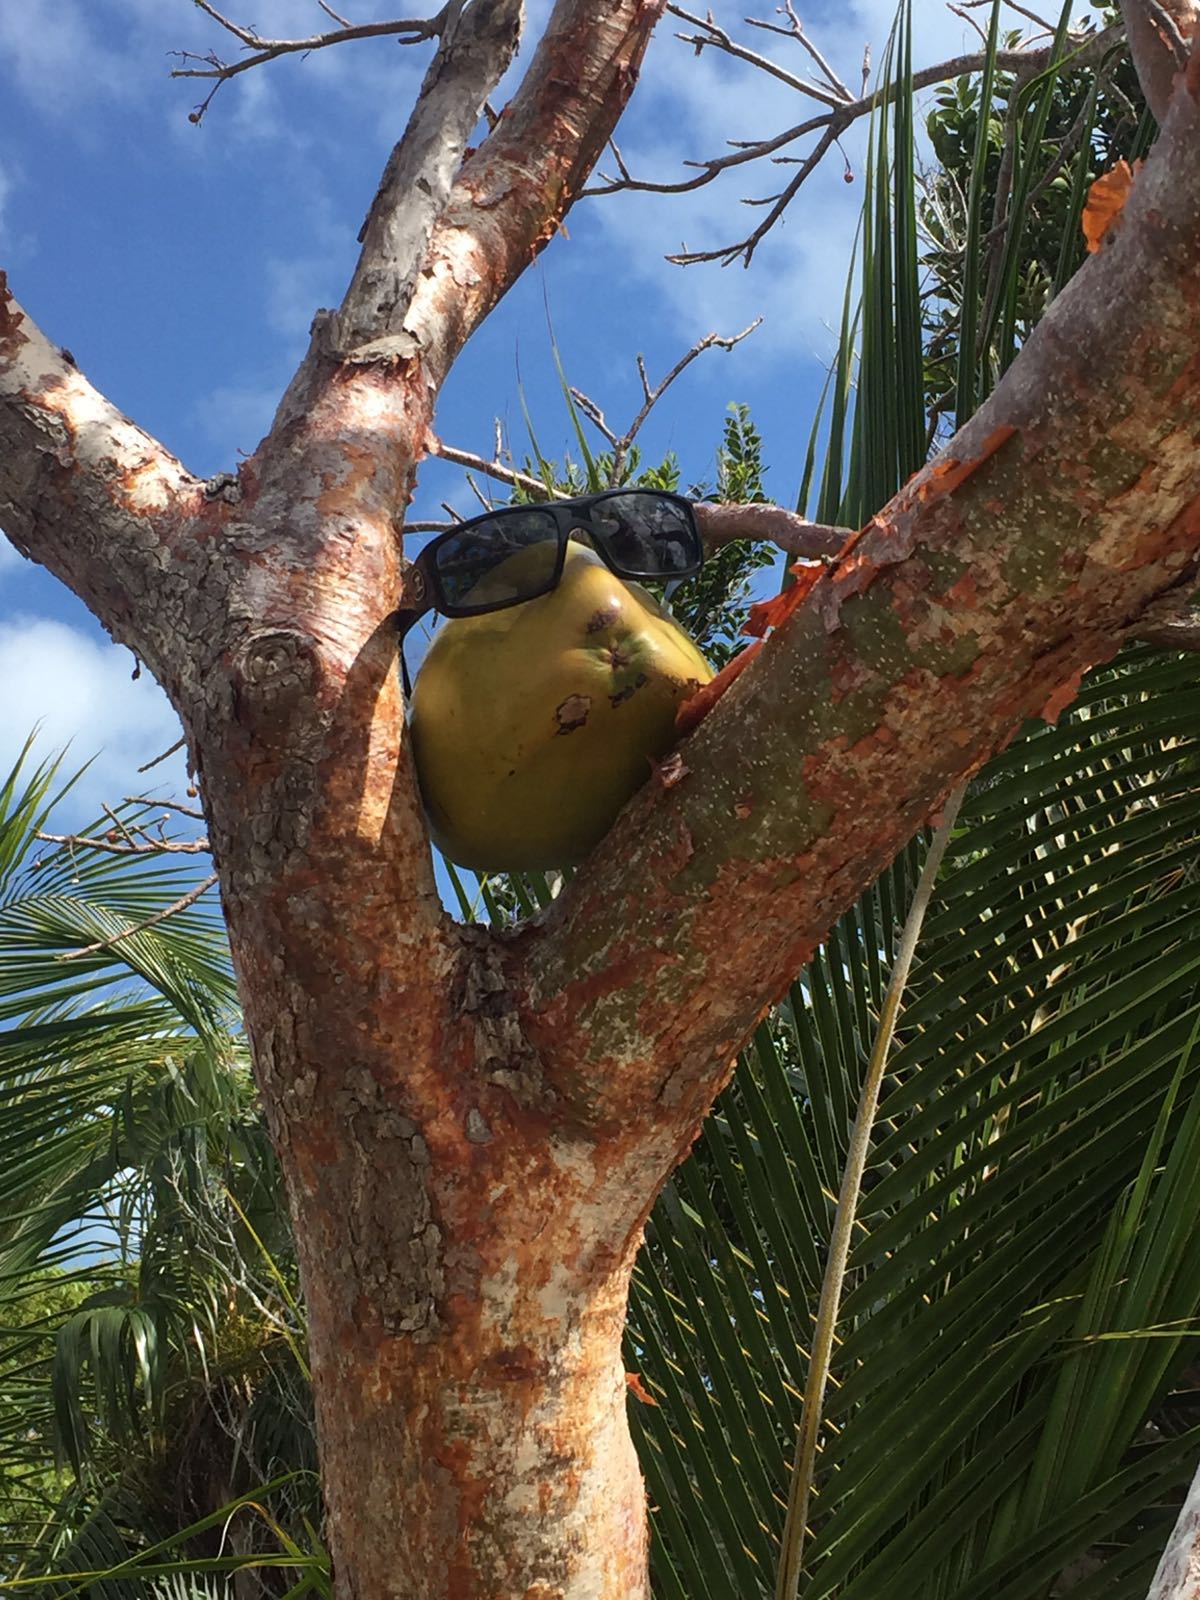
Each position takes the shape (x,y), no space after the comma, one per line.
(473,1126)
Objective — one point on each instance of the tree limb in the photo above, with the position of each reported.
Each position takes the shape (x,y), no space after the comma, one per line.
(1158,33)
(264,50)
(1177,1576)
(843,111)
(959,612)
(477,43)
(513,193)
(89,495)
(719,524)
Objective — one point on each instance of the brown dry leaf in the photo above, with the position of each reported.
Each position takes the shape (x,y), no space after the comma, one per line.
(1106,200)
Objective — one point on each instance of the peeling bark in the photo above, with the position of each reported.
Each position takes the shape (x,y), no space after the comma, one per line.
(473,1127)
(1178,1574)
(1159,32)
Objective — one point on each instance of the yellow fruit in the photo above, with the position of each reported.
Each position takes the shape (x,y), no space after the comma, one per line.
(532,726)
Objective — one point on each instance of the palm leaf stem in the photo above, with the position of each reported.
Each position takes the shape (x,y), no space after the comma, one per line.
(800,1490)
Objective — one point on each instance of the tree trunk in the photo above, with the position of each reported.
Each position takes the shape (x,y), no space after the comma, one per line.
(474,1126)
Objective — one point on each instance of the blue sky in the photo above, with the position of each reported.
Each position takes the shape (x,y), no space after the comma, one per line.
(182,265)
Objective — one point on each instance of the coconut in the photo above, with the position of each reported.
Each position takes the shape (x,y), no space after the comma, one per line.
(532,726)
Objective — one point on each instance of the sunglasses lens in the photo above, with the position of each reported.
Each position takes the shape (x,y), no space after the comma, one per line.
(646,535)
(511,556)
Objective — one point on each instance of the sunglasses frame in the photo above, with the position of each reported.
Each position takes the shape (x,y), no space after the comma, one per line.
(422,585)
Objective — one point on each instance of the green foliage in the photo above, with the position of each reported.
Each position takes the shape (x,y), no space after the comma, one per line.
(999,212)
(151,1347)
(714,604)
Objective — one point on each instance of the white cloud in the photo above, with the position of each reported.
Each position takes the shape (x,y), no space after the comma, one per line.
(81,694)
(236,416)
(56,55)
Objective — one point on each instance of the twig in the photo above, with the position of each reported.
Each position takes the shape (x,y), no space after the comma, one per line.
(728,254)
(959,11)
(795,30)
(1013,6)
(409,30)
(621,446)
(716,38)
(492,469)
(839,115)
(719,524)
(167,805)
(810,541)
(185,900)
(843,1225)
(593,413)
(178,745)
(148,847)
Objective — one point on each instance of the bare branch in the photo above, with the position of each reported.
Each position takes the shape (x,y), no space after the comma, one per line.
(408,31)
(116,847)
(475,48)
(491,469)
(829,125)
(745,248)
(717,39)
(167,805)
(170,751)
(594,414)
(795,30)
(719,524)
(184,901)
(809,541)
(622,445)
(91,497)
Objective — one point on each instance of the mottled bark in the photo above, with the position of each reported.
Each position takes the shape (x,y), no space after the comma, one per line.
(1178,1574)
(473,1127)
(1159,32)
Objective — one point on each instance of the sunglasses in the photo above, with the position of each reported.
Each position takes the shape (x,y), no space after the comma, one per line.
(517,553)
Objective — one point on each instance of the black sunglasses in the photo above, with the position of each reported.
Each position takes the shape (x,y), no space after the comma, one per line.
(517,553)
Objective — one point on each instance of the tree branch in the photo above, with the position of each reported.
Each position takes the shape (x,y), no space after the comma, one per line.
(902,667)
(182,904)
(478,41)
(513,193)
(264,50)
(1177,1576)
(719,524)
(810,541)
(89,495)
(1158,32)
(622,446)
(844,110)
